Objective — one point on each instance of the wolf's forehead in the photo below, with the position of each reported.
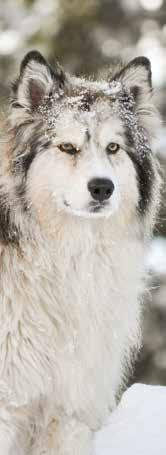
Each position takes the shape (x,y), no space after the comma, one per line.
(86,107)
(93,95)
(96,87)
(84,96)
(80,127)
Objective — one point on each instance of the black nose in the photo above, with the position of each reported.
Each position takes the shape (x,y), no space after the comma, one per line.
(101,189)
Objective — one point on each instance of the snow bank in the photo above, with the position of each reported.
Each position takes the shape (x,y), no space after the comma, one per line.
(137,426)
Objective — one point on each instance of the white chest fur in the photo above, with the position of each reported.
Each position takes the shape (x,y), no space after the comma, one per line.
(69,315)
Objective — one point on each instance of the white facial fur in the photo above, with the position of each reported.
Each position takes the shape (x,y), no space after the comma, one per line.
(62,180)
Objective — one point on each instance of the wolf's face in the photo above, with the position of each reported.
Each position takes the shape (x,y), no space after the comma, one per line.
(85,169)
(82,146)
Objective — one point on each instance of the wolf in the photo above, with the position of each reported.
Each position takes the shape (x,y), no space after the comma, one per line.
(79,195)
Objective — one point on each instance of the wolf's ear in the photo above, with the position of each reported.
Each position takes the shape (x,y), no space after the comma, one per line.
(137,78)
(36,80)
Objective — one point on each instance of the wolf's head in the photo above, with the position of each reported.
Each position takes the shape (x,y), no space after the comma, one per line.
(80,146)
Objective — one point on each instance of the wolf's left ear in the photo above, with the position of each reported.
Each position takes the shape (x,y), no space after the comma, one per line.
(137,78)
(36,80)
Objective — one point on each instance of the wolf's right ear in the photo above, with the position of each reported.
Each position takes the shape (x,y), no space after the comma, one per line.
(36,80)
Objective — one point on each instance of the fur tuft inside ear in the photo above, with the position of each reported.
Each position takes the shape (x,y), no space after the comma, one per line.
(137,77)
(36,80)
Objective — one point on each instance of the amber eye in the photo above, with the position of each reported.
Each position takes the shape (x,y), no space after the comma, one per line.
(112,148)
(68,148)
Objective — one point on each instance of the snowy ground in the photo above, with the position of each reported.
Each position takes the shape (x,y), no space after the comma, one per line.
(137,426)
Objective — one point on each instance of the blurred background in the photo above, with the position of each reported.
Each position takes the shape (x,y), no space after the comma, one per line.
(86,36)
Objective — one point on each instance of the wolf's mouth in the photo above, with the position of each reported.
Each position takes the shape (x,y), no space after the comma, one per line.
(96,207)
(92,209)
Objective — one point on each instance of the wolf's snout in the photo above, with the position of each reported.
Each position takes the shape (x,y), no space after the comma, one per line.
(100,189)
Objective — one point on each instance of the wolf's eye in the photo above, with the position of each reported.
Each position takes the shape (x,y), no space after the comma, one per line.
(112,148)
(68,148)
